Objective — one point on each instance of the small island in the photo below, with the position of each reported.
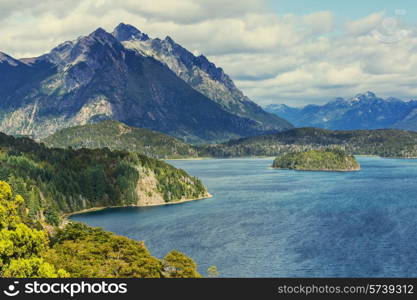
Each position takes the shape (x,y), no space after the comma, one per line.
(330,160)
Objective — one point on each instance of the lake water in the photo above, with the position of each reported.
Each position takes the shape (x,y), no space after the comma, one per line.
(263,222)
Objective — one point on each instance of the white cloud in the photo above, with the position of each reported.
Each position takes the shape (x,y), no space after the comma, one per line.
(273,59)
(365,25)
(319,22)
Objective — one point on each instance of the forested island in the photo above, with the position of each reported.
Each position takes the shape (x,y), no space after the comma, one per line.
(317,160)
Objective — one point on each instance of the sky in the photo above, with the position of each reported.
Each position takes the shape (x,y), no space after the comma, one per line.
(295,52)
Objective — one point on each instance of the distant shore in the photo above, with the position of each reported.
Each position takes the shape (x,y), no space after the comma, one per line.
(273,157)
(98,208)
(189,158)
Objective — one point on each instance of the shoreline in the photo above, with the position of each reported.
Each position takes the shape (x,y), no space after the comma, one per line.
(190,158)
(273,157)
(215,157)
(324,170)
(99,208)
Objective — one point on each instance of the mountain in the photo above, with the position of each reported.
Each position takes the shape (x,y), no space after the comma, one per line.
(364,111)
(95,78)
(282,109)
(409,122)
(199,73)
(118,136)
(381,142)
(56,181)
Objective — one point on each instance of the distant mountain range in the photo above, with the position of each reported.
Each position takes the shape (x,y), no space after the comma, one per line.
(129,77)
(364,111)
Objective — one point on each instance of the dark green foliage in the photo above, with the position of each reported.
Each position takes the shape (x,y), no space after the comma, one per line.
(118,136)
(55,181)
(384,143)
(316,160)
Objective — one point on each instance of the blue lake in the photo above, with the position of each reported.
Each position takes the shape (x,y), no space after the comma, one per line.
(263,222)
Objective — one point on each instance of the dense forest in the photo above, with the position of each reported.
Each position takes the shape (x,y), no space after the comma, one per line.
(76,250)
(317,160)
(56,181)
(118,136)
(384,143)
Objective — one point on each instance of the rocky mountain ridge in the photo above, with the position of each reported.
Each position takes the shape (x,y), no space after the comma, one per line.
(363,111)
(96,77)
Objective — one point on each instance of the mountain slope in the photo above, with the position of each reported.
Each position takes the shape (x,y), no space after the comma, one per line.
(118,136)
(364,111)
(200,74)
(95,78)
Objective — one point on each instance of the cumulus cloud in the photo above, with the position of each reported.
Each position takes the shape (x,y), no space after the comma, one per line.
(319,22)
(293,59)
(365,25)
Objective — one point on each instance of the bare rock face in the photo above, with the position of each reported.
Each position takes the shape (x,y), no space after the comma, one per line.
(99,76)
(147,190)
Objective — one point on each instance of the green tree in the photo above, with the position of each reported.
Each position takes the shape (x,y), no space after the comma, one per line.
(178,265)
(92,252)
(212,272)
(32,268)
(21,247)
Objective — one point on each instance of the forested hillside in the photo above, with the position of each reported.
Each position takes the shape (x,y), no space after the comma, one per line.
(55,181)
(385,143)
(118,136)
(76,250)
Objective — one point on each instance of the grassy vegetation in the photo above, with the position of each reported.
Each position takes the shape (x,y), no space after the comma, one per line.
(317,160)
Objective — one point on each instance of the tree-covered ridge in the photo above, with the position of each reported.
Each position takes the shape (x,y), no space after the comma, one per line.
(93,253)
(76,250)
(317,160)
(118,136)
(384,143)
(56,181)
